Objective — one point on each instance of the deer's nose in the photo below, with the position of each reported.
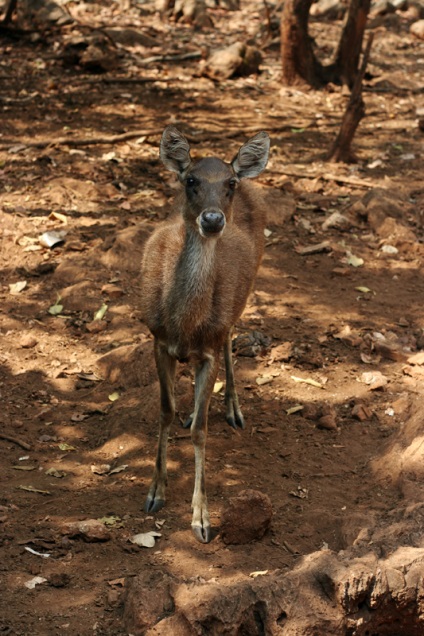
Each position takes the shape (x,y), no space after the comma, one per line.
(212,221)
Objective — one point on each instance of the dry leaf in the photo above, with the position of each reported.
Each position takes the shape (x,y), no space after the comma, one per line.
(294,409)
(309,381)
(16,288)
(32,489)
(217,387)
(258,573)
(145,539)
(265,379)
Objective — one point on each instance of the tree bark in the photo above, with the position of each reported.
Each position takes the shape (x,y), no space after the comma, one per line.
(350,44)
(298,58)
(341,150)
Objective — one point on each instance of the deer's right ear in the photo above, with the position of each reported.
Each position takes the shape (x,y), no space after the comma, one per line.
(175,150)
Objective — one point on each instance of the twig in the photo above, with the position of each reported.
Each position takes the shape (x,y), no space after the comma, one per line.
(171,58)
(15,440)
(353,181)
(85,141)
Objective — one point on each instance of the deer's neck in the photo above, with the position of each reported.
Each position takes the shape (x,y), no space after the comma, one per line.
(196,267)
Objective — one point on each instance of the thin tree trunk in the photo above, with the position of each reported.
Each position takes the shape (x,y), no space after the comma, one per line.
(298,58)
(9,12)
(350,44)
(355,111)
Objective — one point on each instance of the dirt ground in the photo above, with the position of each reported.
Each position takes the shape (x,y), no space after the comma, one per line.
(79,394)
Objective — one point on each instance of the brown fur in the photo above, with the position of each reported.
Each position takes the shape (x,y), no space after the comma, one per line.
(197,272)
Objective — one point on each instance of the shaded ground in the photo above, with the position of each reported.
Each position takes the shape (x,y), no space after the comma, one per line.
(329,479)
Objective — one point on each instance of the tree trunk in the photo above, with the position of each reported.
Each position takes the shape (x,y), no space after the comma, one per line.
(298,58)
(350,45)
(355,111)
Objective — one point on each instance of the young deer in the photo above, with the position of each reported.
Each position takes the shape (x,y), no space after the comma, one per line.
(198,270)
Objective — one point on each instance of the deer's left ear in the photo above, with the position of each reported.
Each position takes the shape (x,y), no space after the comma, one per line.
(175,150)
(252,157)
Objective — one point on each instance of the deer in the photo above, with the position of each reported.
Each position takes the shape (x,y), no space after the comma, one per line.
(197,272)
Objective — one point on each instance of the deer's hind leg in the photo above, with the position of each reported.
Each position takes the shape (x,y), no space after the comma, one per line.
(233,413)
(165,365)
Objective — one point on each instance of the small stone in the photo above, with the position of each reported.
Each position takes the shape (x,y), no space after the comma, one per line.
(246,518)
(95,326)
(28,341)
(417,29)
(90,530)
(113,291)
(328,422)
(59,579)
(361,412)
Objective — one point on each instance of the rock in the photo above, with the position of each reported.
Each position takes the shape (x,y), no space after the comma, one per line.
(149,598)
(238,59)
(417,29)
(382,7)
(28,341)
(246,518)
(131,37)
(338,221)
(331,9)
(362,412)
(59,579)
(96,326)
(90,530)
(113,291)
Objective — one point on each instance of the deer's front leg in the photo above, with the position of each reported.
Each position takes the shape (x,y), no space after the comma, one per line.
(165,365)
(206,373)
(233,413)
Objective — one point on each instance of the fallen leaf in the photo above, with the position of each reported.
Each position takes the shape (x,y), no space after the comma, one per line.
(112,520)
(66,447)
(265,379)
(145,539)
(59,217)
(57,308)
(37,580)
(118,469)
(258,573)
(364,290)
(374,379)
(217,387)
(16,288)
(100,313)
(310,381)
(294,409)
(114,396)
(300,493)
(52,238)
(354,261)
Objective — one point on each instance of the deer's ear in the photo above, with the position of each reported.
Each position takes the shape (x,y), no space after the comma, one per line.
(174,150)
(252,157)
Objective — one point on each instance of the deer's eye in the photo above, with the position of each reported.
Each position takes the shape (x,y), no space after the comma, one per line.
(190,182)
(232,184)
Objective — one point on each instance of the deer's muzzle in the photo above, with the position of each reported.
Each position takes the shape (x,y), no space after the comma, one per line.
(211,222)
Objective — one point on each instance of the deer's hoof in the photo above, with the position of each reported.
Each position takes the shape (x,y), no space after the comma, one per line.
(235,422)
(153,505)
(188,422)
(202,533)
